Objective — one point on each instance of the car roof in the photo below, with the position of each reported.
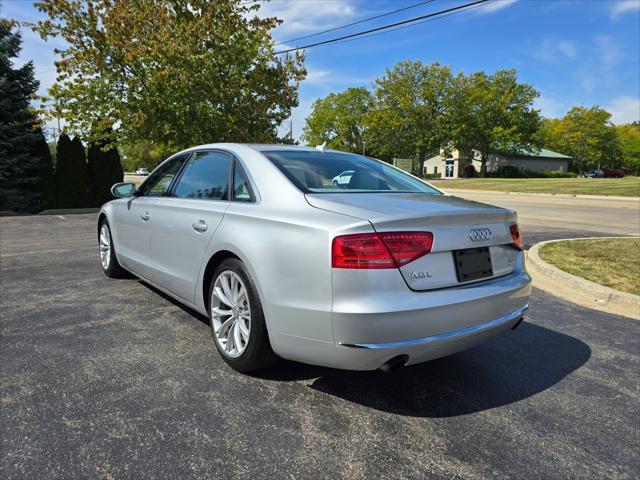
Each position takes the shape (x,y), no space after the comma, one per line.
(261,147)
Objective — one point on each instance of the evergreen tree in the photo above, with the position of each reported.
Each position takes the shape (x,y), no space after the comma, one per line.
(104,170)
(81,186)
(46,184)
(21,160)
(72,176)
(64,173)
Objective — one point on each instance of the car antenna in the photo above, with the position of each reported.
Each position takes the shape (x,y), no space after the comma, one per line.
(322,147)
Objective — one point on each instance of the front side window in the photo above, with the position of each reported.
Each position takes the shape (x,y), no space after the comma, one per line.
(335,172)
(158,183)
(206,176)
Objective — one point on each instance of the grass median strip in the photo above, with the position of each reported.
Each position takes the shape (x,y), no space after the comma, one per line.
(626,187)
(614,263)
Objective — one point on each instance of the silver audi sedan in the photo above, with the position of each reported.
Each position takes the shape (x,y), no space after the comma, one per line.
(379,272)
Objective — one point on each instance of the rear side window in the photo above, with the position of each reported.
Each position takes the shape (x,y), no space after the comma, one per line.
(335,172)
(241,189)
(206,176)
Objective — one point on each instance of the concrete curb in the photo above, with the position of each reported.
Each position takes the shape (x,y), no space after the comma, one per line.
(55,211)
(579,290)
(68,211)
(534,194)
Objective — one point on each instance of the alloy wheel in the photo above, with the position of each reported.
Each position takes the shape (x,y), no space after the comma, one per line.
(104,243)
(230,314)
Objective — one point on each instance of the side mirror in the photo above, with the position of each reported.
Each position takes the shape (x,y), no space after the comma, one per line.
(123,189)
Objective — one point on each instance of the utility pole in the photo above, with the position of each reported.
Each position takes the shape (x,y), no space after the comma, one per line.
(364,146)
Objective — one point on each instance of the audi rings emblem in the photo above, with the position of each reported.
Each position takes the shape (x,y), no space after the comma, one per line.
(480,234)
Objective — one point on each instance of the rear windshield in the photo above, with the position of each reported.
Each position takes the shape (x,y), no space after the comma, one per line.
(334,172)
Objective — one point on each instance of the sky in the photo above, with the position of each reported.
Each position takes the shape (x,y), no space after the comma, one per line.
(574,52)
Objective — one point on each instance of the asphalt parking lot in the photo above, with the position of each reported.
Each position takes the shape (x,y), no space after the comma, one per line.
(105,378)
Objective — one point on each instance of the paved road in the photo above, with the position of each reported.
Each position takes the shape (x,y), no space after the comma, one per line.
(547,217)
(105,378)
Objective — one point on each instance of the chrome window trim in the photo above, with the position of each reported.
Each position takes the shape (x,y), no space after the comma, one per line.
(234,156)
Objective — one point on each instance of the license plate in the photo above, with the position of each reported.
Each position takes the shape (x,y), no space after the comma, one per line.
(473,263)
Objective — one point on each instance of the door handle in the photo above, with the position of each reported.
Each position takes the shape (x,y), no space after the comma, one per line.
(200,226)
(145,216)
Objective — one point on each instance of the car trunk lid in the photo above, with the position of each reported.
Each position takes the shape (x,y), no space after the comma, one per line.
(472,241)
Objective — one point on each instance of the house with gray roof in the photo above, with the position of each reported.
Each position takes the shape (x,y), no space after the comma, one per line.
(452,164)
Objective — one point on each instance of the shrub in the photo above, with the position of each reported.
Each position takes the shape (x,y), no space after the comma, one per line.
(428,176)
(72,176)
(46,185)
(469,171)
(509,171)
(557,174)
(104,170)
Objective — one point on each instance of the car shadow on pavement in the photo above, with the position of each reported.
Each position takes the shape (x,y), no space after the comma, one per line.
(203,318)
(506,369)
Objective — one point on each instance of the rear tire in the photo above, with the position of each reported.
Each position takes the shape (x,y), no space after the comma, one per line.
(237,321)
(108,260)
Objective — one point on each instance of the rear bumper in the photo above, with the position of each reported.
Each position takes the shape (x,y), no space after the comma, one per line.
(420,325)
(373,356)
(509,319)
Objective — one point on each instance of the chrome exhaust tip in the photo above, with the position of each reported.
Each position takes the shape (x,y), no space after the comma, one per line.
(395,363)
(517,324)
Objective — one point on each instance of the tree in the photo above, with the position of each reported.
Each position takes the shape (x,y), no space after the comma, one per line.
(587,135)
(409,112)
(629,139)
(338,120)
(143,154)
(81,185)
(21,159)
(176,73)
(64,171)
(492,113)
(46,185)
(104,170)
(72,176)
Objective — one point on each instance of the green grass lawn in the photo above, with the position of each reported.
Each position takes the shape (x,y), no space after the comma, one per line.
(627,187)
(614,263)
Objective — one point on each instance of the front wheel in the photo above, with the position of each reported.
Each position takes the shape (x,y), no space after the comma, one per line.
(108,260)
(237,321)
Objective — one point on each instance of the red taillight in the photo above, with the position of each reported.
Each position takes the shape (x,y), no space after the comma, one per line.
(405,247)
(516,238)
(380,250)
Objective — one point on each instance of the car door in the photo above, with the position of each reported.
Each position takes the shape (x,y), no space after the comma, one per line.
(137,215)
(187,219)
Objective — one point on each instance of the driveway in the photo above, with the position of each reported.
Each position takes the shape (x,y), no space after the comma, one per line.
(105,378)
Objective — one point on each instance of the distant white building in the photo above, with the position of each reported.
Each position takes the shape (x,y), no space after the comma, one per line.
(452,165)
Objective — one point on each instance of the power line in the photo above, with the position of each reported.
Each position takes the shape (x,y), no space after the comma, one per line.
(355,23)
(384,27)
(340,42)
